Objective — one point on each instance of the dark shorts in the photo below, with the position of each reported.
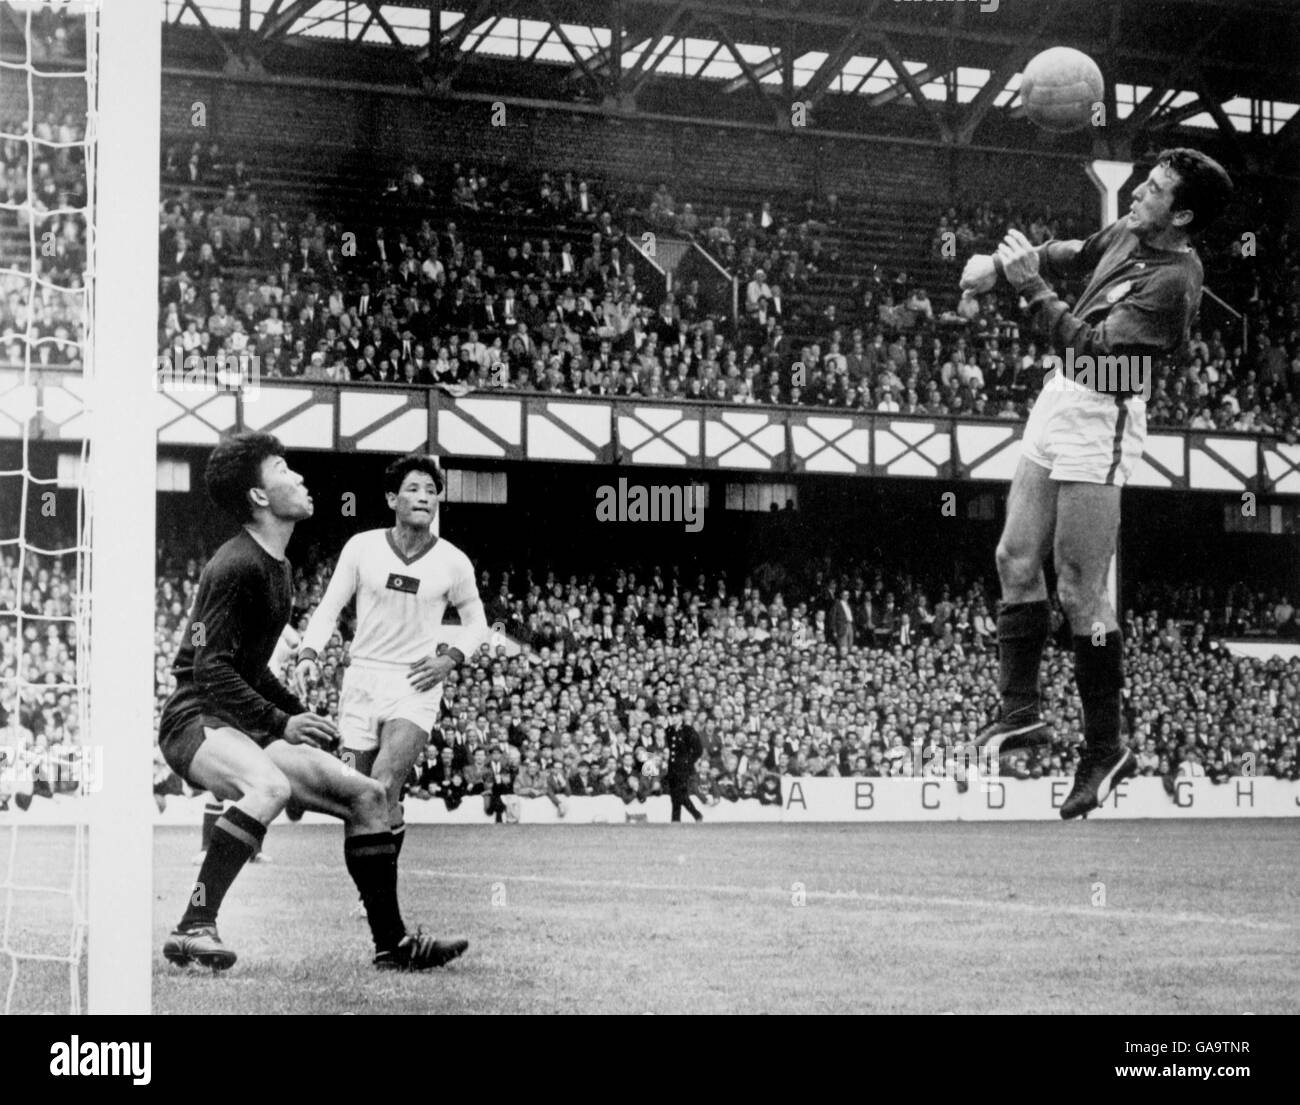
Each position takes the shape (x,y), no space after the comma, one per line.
(169,786)
(183,729)
(180,737)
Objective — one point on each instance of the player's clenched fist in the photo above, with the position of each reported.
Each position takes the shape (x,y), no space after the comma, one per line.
(311,729)
(980,274)
(1019,258)
(306,674)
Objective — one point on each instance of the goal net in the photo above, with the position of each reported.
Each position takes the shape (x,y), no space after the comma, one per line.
(47,196)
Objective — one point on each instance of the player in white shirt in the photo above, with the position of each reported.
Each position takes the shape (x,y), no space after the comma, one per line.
(403,579)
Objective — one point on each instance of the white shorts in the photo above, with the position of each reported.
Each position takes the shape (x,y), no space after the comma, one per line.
(1085,436)
(374,693)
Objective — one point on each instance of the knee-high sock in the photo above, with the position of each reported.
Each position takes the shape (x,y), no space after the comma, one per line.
(1099,673)
(1023,629)
(235,837)
(371,860)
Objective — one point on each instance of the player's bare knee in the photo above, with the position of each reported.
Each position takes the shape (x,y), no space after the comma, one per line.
(370,803)
(1077,598)
(271,790)
(1016,568)
(392,784)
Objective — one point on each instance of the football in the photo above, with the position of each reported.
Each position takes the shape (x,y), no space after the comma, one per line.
(1059,89)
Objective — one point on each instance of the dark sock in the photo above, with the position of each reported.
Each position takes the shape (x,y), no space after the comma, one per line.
(1023,629)
(1099,673)
(372,862)
(212,812)
(235,837)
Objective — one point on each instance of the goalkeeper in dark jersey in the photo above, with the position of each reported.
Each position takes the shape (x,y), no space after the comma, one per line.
(232,728)
(1083,439)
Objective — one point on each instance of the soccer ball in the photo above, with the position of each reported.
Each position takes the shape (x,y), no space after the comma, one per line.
(1059,88)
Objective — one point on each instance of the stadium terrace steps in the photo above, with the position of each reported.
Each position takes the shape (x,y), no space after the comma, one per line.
(885,228)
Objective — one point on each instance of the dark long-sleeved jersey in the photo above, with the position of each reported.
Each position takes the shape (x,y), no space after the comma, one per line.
(243,604)
(1140,301)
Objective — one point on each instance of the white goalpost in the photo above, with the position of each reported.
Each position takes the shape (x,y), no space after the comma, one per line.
(121,481)
(75,871)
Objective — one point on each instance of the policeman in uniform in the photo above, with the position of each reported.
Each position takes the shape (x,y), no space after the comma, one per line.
(684,749)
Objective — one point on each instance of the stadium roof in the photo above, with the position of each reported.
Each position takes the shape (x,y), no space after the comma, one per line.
(1225,65)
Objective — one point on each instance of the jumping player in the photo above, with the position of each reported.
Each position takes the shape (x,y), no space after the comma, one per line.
(403,579)
(232,728)
(1082,442)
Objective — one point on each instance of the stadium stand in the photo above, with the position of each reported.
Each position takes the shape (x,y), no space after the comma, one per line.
(605,653)
(38,727)
(52,324)
(539,267)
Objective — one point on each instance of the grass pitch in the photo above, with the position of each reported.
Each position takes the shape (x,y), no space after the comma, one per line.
(1091,917)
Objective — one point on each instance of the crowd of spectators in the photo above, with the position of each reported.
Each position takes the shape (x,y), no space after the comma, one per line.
(973,348)
(49,237)
(55,32)
(39,721)
(477,278)
(841,670)
(1237,611)
(844,670)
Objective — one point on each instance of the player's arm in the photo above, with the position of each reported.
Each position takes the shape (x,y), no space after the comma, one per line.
(320,626)
(273,688)
(268,685)
(285,648)
(1153,320)
(215,634)
(1075,257)
(1056,259)
(432,670)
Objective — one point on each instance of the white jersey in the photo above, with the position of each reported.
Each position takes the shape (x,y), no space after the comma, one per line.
(400,602)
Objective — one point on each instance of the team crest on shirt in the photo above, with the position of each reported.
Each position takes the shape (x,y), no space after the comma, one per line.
(1119,291)
(409,584)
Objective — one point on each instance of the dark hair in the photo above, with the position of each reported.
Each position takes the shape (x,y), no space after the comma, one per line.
(235,467)
(1204,187)
(397,472)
